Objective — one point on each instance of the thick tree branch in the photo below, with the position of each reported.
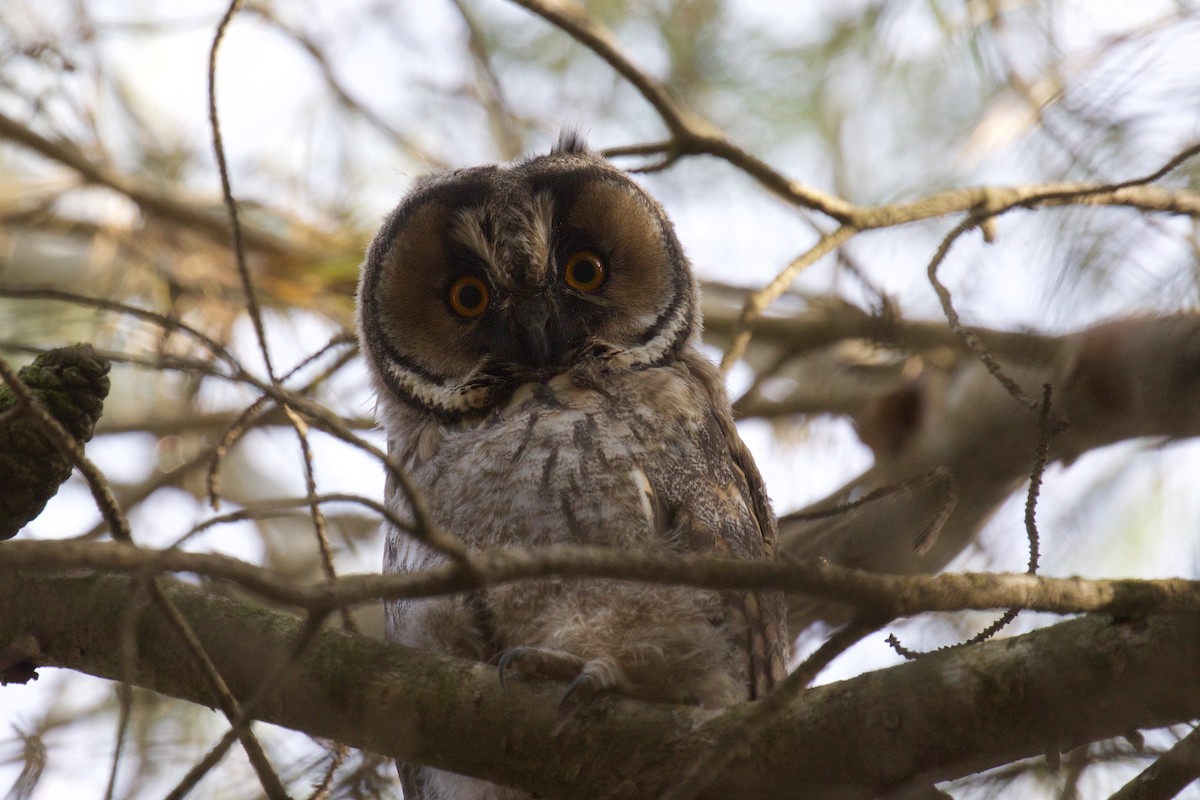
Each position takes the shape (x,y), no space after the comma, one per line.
(1080,681)
(828,321)
(1129,378)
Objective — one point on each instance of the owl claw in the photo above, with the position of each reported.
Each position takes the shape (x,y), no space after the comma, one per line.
(578,692)
(588,679)
(538,662)
(512,657)
(596,677)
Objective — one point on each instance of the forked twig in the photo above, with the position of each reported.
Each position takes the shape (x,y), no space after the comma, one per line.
(757,302)
(240,725)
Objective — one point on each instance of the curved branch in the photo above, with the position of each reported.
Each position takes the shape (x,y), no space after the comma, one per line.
(690,134)
(693,135)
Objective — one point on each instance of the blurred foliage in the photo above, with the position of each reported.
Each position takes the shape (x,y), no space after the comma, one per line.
(329,109)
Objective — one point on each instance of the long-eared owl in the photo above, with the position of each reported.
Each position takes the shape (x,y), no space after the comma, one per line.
(532,332)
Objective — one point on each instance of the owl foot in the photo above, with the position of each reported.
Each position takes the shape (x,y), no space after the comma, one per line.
(595,677)
(539,662)
(588,679)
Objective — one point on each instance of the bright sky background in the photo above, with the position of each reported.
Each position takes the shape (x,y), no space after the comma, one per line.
(272,116)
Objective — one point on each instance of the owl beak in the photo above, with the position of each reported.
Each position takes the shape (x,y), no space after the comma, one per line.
(538,338)
(535,337)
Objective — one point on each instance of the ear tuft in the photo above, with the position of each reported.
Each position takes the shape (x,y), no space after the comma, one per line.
(570,142)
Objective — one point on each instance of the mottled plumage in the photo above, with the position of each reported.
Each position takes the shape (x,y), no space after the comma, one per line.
(532,333)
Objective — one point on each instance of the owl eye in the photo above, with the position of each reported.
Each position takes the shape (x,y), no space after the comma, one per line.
(468,297)
(584,271)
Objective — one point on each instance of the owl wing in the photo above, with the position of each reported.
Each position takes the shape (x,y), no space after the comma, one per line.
(764,612)
(716,502)
(413,781)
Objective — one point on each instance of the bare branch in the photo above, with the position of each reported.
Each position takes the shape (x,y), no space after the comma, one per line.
(758,302)
(216,684)
(879,595)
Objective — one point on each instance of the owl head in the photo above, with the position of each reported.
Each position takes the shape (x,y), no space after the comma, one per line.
(489,277)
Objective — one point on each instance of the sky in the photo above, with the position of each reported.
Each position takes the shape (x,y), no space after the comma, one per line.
(275,122)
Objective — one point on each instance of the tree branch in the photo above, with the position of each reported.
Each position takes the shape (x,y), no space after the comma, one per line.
(1128,378)
(691,134)
(1080,681)
(879,595)
(155,202)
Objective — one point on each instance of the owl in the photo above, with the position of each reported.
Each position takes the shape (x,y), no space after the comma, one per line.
(532,332)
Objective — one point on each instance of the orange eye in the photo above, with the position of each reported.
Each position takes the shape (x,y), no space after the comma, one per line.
(468,297)
(584,271)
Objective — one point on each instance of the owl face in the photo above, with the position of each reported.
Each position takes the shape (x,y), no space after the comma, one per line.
(489,277)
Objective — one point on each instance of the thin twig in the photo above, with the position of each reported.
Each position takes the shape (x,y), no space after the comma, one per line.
(240,726)
(314,507)
(1048,427)
(257,410)
(266,775)
(159,479)
(229,704)
(235,224)
(265,509)
(758,302)
(246,420)
(968,336)
(938,476)
(168,324)
(236,430)
(252,306)
(875,593)
(322,789)
(689,133)
(993,208)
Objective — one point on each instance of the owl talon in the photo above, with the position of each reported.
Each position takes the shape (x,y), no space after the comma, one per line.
(506,659)
(537,662)
(578,692)
(596,677)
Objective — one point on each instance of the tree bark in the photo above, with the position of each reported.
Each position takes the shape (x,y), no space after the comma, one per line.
(944,716)
(1138,376)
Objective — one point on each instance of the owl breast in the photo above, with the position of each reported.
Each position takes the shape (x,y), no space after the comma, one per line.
(561,462)
(636,465)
